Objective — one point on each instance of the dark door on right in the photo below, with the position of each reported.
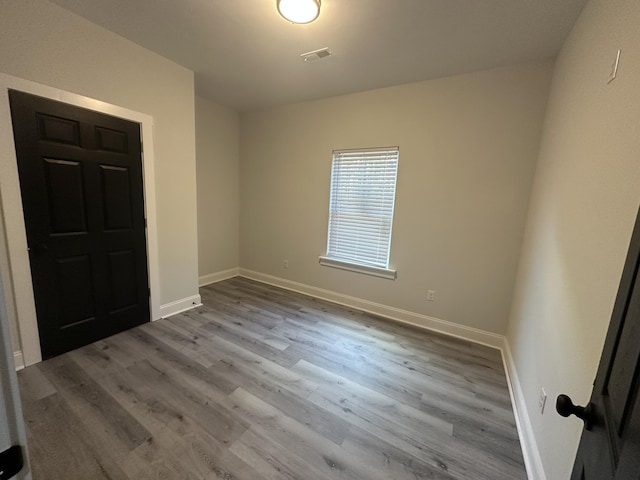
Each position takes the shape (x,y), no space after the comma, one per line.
(610,448)
(82,193)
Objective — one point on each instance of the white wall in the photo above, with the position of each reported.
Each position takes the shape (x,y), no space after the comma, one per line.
(42,42)
(217,162)
(468,146)
(583,207)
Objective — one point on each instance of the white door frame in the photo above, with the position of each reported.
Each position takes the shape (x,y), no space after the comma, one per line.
(21,286)
(12,430)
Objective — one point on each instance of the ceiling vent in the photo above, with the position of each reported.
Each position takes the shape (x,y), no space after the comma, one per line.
(316,54)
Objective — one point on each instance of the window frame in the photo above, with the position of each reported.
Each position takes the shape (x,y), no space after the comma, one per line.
(350,264)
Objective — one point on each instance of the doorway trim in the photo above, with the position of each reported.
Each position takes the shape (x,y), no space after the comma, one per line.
(15,238)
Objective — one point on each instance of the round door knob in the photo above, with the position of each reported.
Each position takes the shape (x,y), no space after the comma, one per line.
(566,408)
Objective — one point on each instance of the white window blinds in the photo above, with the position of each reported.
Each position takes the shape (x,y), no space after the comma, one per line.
(363,189)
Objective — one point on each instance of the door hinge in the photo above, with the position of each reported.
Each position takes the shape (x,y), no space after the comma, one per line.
(149,291)
(11,462)
(145,223)
(141,147)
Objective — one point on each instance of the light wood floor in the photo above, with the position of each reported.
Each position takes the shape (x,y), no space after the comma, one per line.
(261,384)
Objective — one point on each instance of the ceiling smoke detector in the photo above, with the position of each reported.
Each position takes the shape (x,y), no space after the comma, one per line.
(316,54)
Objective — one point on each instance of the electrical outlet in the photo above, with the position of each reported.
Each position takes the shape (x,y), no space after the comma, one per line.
(542,400)
(431,295)
(286,264)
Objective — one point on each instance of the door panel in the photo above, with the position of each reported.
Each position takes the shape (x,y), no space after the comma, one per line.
(112,140)
(83,200)
(65,196)
(60,130)
(74,279)
(116,199)
(122,269)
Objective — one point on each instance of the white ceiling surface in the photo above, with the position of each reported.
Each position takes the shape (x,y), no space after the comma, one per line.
(246,56)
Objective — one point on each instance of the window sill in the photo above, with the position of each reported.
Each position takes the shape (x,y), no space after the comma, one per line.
(354,267)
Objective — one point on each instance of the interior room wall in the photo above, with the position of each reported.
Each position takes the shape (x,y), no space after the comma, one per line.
(42,42)
(217,168)
(583,206)
(468,146)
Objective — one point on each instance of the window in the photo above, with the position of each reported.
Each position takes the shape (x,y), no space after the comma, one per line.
(363,190)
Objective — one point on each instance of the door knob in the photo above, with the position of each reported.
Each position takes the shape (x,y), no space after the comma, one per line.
(565,407)
(11,462)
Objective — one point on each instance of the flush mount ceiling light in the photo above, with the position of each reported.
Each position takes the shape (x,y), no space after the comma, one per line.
(299,11)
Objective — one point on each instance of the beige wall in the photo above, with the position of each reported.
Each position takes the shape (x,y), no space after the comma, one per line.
(217,162)
(583,206)
(42,42)
(468,145)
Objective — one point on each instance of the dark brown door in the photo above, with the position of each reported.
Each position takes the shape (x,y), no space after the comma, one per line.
(610,443)
(82,194)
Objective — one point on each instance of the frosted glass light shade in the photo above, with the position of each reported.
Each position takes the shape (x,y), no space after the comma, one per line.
(299,11)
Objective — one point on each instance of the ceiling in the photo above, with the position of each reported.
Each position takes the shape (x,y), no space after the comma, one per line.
(246,56)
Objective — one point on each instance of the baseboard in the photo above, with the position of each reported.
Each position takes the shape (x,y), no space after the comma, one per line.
(530,452)
(403,316)
(18,360)
(180,306)
(218,276)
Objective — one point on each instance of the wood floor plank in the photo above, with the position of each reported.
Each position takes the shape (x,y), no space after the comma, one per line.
(208,457)
(262,383)
(240,311)
(389,421)
(98,410)
(243,327)
(207,410)
(291,402)
(150,461)
(245,341)
(345,393)
(390,462)
(186,345)
(272,460)
(164,358)
(293,437)
(34,385)
(138,396)
(61,445)
(361,374)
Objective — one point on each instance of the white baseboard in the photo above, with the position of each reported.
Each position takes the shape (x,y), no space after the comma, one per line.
(180,306)
(18,360)
(530,452)
(403,316)
(218,276)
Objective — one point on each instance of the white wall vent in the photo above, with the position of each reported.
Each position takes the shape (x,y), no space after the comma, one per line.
(316,54)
